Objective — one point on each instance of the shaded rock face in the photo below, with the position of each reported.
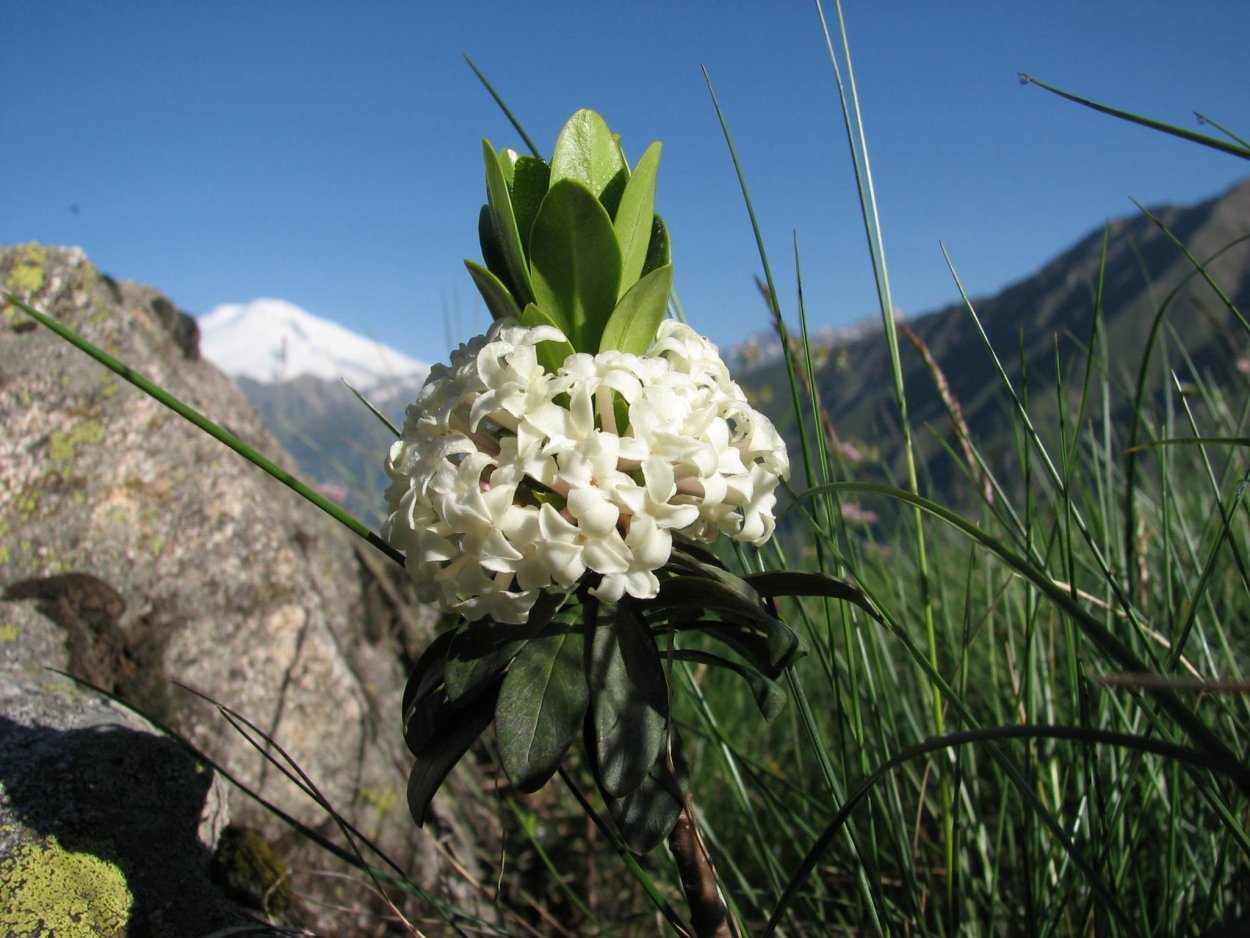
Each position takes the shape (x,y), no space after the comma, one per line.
(102,818)
(135,550)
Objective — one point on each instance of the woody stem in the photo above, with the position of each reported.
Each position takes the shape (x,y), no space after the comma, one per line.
(708,914)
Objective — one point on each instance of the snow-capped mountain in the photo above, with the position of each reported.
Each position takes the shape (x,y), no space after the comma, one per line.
(272,341)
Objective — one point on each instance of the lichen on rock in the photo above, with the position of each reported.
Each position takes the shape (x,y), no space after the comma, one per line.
(46,889)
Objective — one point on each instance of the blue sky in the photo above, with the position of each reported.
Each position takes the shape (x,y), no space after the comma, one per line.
(328,154)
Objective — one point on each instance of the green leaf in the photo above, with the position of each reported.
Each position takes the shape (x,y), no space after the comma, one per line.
(634,218)
(629,701)
(492,254)
(482,649)
(422,694)
(575,262)
(685,592)
(587,152)
(531,178)
(504,223)
(769,695)
(507,163)
(802,583)
(659,251)
(551,355)
(541,706)
(648,813)
(499,299)
(632,325)
(443,750)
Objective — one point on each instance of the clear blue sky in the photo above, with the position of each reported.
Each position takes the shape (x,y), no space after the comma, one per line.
(327,153)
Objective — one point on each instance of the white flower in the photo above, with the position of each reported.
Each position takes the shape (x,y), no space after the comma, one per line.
(509,480)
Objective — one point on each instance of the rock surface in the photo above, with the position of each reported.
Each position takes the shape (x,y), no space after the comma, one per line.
(136,551)
(103,821)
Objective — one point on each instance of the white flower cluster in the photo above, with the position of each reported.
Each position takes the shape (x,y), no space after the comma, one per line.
(510,479)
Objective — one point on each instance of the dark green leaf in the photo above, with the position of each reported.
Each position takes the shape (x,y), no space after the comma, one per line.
(482,649)
(750,645)
(798,583)
(610,197)
(659,251)
(531,177)
(540,707)
(492,254)
(635,217)
(499,299)
(684,546)
(551,355)
(587,151)
(575,263)
(716,572)
(504,222)
(422,692)
(629,700)
(715,596)
(769,696)
(648,813)
(632,325)
(721,595)
(444,750)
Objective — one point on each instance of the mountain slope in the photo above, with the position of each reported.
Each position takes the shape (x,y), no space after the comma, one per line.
(1032,324)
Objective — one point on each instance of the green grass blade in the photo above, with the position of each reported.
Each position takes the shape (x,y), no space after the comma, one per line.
(216,431)
(1213,142)
(507,112)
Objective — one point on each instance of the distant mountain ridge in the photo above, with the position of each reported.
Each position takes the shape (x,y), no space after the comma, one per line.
(1044,318)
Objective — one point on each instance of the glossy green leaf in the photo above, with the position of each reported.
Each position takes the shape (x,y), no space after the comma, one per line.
(648,813)
(769,695)
(587,152)
(443,750)
(629,700)
(574,262)
(528,188)
(507,163)
(635,217)
(659,251)
(498,298)
(551,355)
(504,222)
(632,325)
(541,706)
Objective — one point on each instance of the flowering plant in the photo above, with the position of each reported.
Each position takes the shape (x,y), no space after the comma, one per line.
(555,487)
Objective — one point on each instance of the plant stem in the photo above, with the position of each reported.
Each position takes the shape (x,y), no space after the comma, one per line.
(708,913)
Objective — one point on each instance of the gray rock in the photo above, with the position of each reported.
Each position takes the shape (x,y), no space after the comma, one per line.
(103,818)
(136,551)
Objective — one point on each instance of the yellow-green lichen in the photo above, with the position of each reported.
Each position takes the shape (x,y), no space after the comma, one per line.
(48,890)
(30,270)
(62,444)
(8,632)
